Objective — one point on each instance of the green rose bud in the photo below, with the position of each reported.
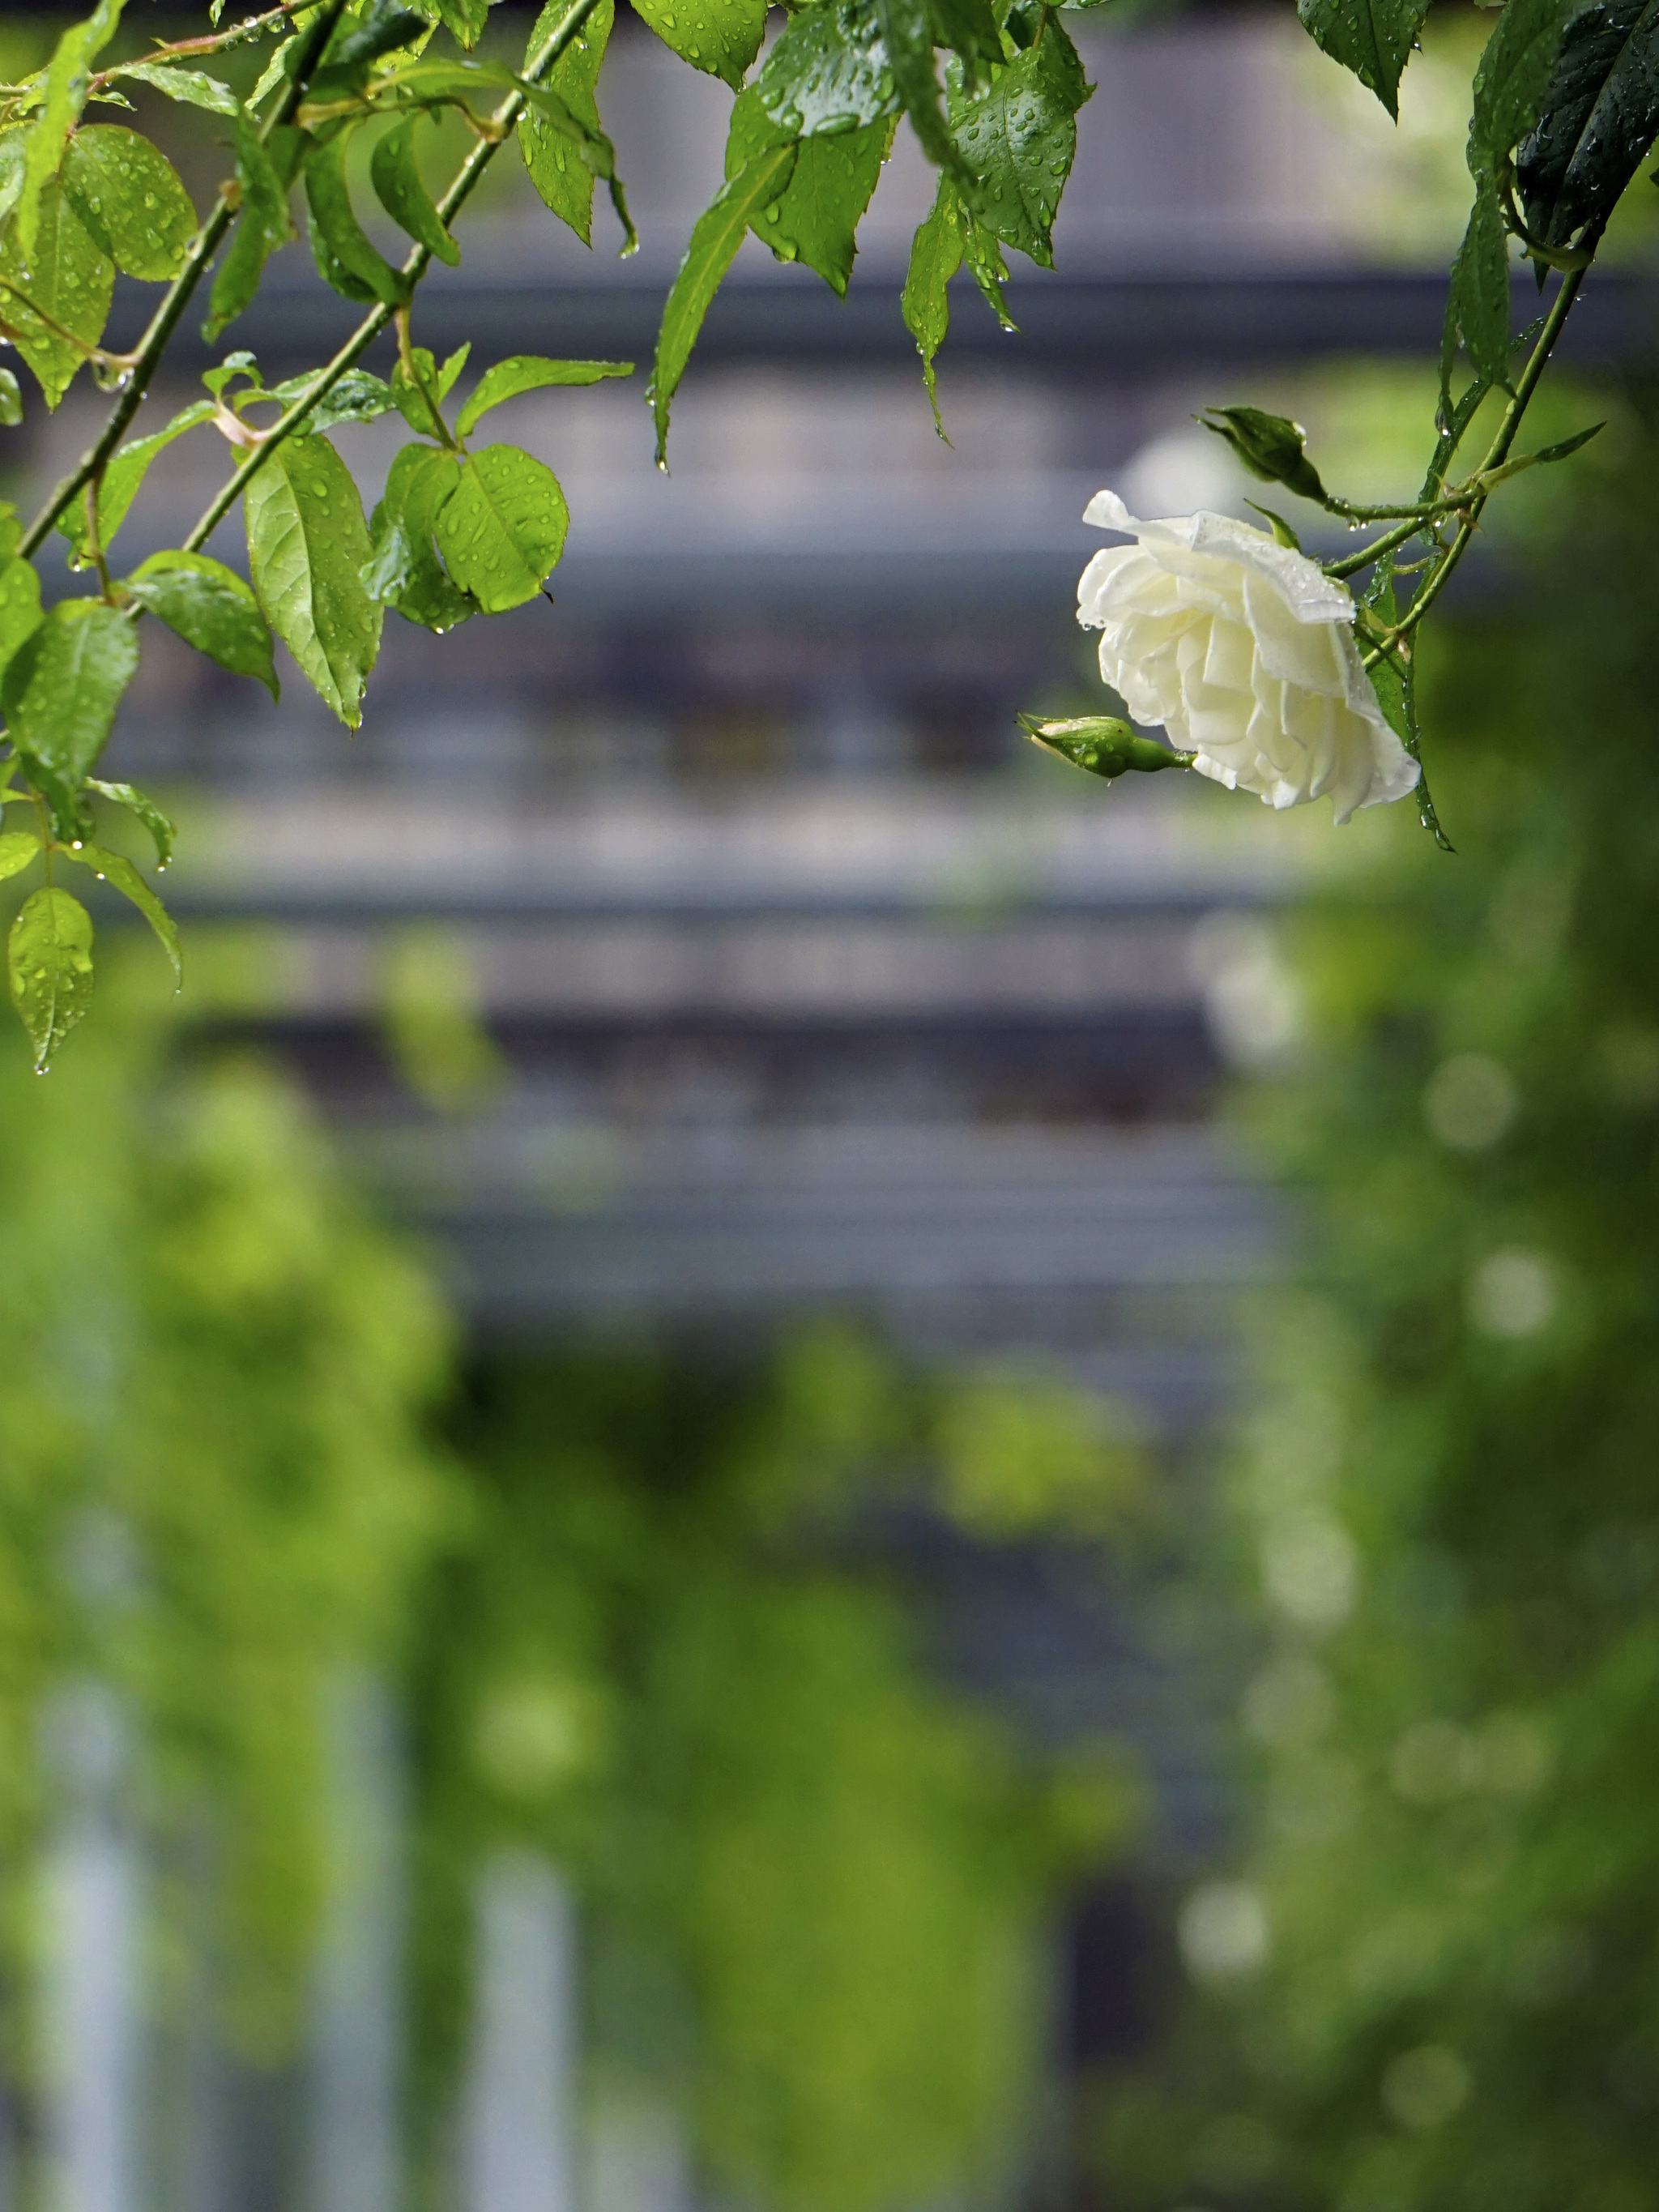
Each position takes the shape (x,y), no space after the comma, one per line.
(1100,744)
(1270,446)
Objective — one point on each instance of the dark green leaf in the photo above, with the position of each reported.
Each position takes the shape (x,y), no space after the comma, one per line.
(907,31)
(210,607)
(20,604)
(1478,304)
(263,224)
(557,169)
(721,36)
(969,30)
(1563,446)
(306,546)
(364,34)
(356,396)
(1019,138)
(816,218)
(936,255)
(397,185)
(11,399)
(989,270)
(1595,121)
(162,833)
(1372,37)
(529,372)
(346,258)
(1395,684)
(112,868)
(68,79)
(594,148)
(464,19)
(1514,75)
(435,81)
(17,849)
(1273,448)
(48,960)
(502,529)
(715,238)
(191,86)
(404,569)
(60,692)
(69,276)
(130,197)
(828,72)
(122,478)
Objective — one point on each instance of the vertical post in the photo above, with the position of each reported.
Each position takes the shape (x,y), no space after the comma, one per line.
(355,2149)
(92,1886)
(519,2119)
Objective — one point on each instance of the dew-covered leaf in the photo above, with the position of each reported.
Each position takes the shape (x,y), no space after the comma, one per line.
(69,277)
(983,254)
(49,963)
(563,179)
(122,478)
(211,608)
(1515,67)
(827,72)
(11,399)
(263,224)
(193,87)
(144,809)
(132,198)
(530,372)
(20,605)
(465,20)
(114,868)
(1478,301)
(502,529)
(17,849)
(60,693)
(1019,137)
(410,392)
(347,258)
(404,569)
(721,36)
(907,31)
(715,238)
(1596,122)
(398,188)
(63,94)
(306,545)
(357,397)
(936,255)
(969,28)
(1372,37)
(816,217)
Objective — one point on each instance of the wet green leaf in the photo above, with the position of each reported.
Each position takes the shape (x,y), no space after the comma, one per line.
(69,276)
(715,238)
(11,399)
(17,849)
(306,546)
(464,19)
(60,693)
(969,28)
(404,569)
(356,396)
(529,372)
(1597,120)
(347,258)
(160,825)
(121,481)
(193,87)
(409,396)
(263,224)
(563,179)
(721,36)
(989,270)
(502,529)
(1019,138)
(1478,302)
(114,868)
(211,608)
(1372,37)
(1514,72)
(397,185)
(907,31)
(49,962)
(132,198)
(827,72)
(936,255)
(815,218)
(1271,448)
(68,75)
(20,605)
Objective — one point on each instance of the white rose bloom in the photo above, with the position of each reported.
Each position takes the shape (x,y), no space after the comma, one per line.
(1244,651)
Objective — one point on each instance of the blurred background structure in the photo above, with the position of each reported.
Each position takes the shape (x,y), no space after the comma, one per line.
(720,1700)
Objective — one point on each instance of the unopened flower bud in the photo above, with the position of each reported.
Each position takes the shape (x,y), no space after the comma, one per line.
(1100,744)
(1271,447)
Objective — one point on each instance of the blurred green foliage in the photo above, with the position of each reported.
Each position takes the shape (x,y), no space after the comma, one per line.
(1446,1496)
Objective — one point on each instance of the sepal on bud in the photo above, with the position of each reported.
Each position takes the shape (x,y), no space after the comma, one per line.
(1271,447)
(1101,745)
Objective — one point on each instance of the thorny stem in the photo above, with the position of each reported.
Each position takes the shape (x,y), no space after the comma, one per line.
(212,42)
(147,356)
(414,267)
(1554,323)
